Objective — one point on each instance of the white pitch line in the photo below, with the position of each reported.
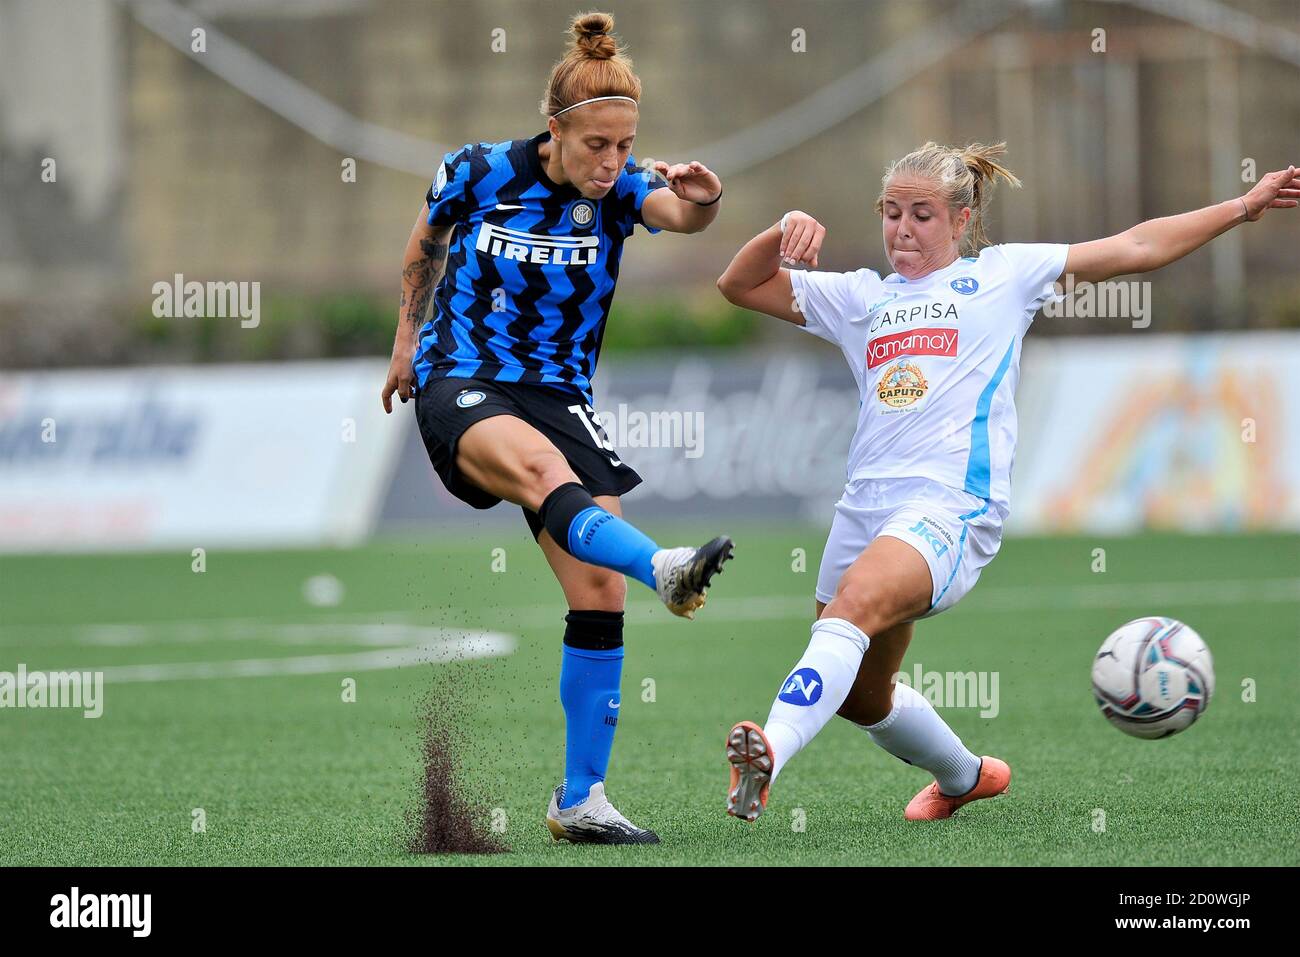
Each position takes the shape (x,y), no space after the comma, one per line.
(993,600)
(404,628)
(1281,591)
(485,644)
(297,633)
(206,629)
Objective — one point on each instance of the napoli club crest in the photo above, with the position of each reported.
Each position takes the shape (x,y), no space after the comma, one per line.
(803,688)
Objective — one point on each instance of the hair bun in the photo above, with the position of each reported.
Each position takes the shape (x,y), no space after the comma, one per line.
(594,65)
(972,161)
(592,32)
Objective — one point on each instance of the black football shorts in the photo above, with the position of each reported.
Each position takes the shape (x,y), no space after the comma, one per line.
(446,407)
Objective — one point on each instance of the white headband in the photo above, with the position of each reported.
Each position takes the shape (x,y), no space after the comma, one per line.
(594,99)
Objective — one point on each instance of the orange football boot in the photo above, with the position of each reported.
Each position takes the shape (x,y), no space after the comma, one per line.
(930,805)
(750,757)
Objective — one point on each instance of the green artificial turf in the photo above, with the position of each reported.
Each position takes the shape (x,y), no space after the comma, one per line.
(287,772)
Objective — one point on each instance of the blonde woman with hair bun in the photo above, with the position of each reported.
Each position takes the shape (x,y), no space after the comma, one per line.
(935,349)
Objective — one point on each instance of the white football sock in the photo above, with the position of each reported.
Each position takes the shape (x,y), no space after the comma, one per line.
(816,687)
(914,732)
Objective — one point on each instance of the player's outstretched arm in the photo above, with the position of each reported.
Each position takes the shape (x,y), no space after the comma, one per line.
(689,203)
(755,279)
(422,266)
(1158,242)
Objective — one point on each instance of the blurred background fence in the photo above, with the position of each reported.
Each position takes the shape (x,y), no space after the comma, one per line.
(290,143)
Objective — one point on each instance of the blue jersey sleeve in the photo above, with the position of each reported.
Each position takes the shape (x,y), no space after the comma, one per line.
(450,197)
(630,190)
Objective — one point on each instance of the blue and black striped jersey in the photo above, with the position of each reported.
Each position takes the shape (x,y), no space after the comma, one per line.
(531,267)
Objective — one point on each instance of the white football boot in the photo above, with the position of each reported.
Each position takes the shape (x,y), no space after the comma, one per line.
(682,575)
(594,821)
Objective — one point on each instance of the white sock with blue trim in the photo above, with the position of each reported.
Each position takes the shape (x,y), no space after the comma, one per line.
(914,732)
(815,688)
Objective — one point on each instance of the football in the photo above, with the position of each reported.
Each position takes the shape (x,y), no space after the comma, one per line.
(1153,677)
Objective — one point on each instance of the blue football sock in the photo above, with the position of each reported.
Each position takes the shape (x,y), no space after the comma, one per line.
(589,691)
(593,535)
(602,538)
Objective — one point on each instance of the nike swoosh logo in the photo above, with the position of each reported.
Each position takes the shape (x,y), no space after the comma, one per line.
(582,530)
(502,206)
(615,705)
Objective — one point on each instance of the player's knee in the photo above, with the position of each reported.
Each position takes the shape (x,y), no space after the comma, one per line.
(606,591)
(542,471)
(865,604)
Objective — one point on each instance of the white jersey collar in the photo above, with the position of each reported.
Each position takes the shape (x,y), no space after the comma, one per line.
(961,261)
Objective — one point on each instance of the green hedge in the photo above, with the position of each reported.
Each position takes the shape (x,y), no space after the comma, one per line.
(356,324)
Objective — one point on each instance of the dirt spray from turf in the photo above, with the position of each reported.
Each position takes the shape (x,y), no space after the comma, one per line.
(446,820)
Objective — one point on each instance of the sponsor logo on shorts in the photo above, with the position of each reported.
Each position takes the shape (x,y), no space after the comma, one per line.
(943,532)
(467,399)
(803,688)
(916,342)
(901,385)
(937,527)
(924,532)
(965,285)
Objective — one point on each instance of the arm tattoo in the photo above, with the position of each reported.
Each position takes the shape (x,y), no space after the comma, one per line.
(435,251)
(422,275)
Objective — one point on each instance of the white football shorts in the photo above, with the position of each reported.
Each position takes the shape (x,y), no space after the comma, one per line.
(957,533)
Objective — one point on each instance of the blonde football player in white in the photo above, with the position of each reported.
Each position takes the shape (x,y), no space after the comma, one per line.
(935,350)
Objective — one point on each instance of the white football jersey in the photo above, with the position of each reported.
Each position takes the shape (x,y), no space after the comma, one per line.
(936,360)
